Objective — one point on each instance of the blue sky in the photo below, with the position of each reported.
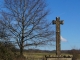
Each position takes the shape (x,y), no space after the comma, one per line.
(69,11)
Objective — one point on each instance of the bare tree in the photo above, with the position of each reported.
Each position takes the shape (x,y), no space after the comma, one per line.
(26,22)
(75,53)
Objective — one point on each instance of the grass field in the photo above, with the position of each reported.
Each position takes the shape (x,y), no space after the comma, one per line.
(37,56)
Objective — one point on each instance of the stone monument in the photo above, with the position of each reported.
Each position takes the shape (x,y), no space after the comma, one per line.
(58,55)
(58,22)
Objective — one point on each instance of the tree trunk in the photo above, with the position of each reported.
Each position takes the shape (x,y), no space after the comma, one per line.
(21,51)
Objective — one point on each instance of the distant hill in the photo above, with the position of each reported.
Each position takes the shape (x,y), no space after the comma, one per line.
(44,51)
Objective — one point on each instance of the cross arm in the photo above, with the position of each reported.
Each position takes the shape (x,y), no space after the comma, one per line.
(62,22)
(53,22)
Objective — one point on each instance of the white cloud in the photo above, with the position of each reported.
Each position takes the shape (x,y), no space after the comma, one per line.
(63,39)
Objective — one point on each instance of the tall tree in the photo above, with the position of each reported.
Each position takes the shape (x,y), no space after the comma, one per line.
(26,22)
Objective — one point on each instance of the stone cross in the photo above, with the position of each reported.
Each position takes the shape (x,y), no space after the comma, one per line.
(58,22)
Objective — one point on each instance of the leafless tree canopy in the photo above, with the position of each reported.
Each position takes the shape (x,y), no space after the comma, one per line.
(26,22)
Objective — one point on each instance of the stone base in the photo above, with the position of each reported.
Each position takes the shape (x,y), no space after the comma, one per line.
(50,57)
(59,58)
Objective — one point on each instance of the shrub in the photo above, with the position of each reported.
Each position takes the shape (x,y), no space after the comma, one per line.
(5,53)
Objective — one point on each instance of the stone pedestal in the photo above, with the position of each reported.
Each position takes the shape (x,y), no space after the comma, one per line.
(59,58)
(62,57)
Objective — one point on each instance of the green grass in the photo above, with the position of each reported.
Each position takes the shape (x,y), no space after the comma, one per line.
(36,55)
